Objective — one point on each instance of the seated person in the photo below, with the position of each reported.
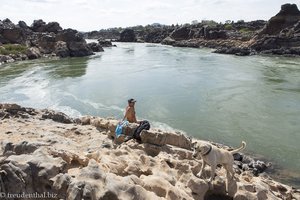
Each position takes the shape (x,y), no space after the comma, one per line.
(130,112)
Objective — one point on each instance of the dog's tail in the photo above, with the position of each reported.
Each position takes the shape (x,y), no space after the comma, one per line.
(239,149)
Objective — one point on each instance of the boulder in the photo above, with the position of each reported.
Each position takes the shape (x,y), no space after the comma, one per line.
(69,35)
(105,43)
(33,53)
(61,49)
(53,27)
(96,47)
(79,49)
(23,25)
(168,41)
(46,42)
(159,138)
(182,33)
(127,35)
(41,26)
(213,33)
(76,44)
(38,25)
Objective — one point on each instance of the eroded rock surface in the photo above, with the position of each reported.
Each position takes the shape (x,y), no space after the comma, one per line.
(47,151)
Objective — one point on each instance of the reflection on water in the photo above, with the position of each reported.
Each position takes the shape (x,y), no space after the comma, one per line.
(69,67)
(210,96)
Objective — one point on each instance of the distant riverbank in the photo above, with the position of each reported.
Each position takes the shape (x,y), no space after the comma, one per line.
(277,36)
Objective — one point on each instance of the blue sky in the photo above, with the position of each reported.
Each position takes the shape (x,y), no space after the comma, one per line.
(87,15)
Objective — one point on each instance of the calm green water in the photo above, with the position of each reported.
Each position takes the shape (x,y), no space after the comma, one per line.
(210,96)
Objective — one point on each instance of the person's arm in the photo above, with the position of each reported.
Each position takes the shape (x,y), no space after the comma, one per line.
(125,115)
(135,120)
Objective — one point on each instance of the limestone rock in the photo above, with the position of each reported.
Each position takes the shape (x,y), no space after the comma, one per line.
(56,116)
(157,138)
(80,161)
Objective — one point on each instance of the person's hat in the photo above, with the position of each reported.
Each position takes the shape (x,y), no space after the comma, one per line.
(131,100)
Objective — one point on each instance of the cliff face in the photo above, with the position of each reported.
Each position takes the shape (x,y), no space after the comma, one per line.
(46,151)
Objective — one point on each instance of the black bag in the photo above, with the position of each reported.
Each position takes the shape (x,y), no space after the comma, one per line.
(137,132)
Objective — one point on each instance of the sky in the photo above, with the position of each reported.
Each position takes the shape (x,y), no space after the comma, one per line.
(88,15)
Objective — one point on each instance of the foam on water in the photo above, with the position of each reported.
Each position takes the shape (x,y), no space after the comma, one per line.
(67,110)
(164,127)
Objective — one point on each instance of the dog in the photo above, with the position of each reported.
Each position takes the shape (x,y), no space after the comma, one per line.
(213,156)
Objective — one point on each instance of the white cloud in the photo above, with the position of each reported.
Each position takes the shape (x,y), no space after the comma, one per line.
(95,14)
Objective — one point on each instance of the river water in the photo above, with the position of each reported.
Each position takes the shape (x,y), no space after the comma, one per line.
(222,98)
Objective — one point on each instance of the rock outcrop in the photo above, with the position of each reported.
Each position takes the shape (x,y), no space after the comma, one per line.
(96,47)
(280,35)
(41,26)
(10,33)
(42,40)
(105,43)
(127,35)
(182,33)
(43,152)
(287,17)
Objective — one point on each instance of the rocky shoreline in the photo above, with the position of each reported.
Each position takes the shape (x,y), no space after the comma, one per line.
(21,42)
(278,36)
(47,151)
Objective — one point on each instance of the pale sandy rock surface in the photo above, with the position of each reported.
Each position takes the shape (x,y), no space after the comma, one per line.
(47,151)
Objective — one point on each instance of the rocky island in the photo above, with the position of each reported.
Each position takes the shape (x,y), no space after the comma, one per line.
(278,36)
(21,42)
(47,152)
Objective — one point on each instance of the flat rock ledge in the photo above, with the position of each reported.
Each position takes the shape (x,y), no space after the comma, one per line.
(47,151)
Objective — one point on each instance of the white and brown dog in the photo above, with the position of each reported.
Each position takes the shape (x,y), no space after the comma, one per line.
(213,156)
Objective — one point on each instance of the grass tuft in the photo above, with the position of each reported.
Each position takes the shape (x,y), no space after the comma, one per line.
(7,49)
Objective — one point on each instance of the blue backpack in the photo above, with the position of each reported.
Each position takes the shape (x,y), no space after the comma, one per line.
(119,128)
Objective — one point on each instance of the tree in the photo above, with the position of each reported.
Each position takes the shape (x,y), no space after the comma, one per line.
(195,22)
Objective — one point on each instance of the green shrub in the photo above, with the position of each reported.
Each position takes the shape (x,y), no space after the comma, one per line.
(210,23)
(245,30)
(7,49)
(228,27)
